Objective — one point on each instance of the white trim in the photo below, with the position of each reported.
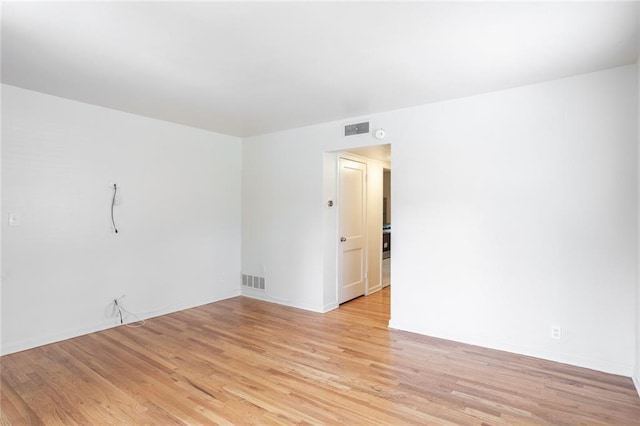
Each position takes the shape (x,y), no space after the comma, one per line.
(374,289)
(264,297)
(593,364)
(330,307)
(21,345)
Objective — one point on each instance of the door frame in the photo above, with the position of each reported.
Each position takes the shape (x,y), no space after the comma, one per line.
(330,227)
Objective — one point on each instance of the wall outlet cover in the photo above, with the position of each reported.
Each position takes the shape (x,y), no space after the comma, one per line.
(14,219)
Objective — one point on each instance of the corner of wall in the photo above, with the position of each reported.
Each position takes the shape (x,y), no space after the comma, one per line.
(636,377)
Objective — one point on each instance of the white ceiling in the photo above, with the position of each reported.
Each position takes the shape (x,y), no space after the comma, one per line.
(251,68)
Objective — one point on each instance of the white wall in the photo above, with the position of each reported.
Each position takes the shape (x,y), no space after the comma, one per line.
(513,211)
(636,377)
(526,219)
(1,211)
(179,220)
(282,218)
(284,207)
(375,171)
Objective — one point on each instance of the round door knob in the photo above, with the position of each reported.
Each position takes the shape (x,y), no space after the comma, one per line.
(343,239)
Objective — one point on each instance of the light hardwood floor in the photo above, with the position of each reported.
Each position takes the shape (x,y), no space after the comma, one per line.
(242,361)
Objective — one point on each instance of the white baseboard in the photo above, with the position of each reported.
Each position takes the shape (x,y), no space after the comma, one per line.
(265,297)
(33,342)
(330,307)
(636,382)
(486,342)
(374,289)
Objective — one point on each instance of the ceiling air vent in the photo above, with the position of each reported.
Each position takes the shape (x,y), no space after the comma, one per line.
(356,129)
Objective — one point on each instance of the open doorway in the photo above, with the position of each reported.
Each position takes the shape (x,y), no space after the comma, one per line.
(378,226)
(377,159)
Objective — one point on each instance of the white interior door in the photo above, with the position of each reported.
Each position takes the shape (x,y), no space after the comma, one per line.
(352,229)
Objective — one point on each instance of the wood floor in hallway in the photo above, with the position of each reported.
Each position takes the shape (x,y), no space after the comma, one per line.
(243,361)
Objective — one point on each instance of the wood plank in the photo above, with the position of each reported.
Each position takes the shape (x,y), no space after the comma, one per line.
(243,361)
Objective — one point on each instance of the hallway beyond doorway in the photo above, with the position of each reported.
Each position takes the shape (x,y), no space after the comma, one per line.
(386,272)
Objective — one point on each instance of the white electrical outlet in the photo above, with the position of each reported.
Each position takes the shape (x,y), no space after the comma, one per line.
(556,332)
(14,219)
